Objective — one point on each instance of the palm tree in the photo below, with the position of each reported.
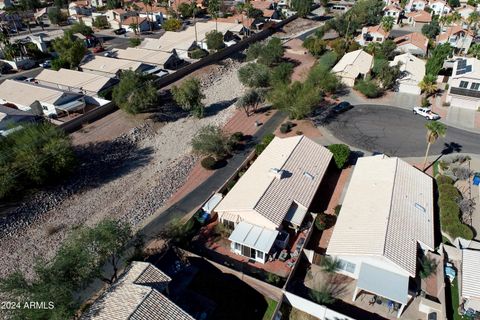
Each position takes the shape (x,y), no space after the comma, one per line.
(455,17)
(428,85)
(134,27)
(330,265)
(214,9)
(435,130)
(387,23)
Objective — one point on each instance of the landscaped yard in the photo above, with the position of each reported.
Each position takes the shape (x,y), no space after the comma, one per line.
(272,305)
(454,296)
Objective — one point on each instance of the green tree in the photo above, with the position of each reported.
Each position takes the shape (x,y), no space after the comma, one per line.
(70,51)
(211,141)
(368,88)
(321,78)
(214,40)
(438,56)
(266,53)
(186,9)
(251,100)
(341,154)
(101,22)
(323,296)
(435,130)
(328,60)
(213,9)
(134,27)
(315,46)
(30,4)
(254,75)
(297,99)
(330,265)
(36,155)
(386,74)
(80,27)
(431,30)
(56,16)
(172,24)
(134,93)
(428,267)
(387,23)
(282,73)
(303,7)
(189,96)
(428,85)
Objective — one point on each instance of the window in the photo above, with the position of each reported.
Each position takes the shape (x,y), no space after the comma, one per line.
(44,108)
(463,84)
(346,266)
(379,39)
(228,224)
(237,246)
(260,255)
(475,86)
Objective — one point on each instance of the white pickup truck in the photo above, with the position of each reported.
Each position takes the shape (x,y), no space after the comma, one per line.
(426,113)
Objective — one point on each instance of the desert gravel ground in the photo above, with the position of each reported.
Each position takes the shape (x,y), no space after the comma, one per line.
(129,178)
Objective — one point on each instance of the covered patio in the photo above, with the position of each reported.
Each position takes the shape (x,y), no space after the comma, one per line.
(386,284)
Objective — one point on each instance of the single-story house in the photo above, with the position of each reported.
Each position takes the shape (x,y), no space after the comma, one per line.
(419,18)
(464,84)
(413,71)
(75,81)
(11,119)
(352,66)
(372,35)
(142,24)
(161,59)
(385,221)
(470,287)
(111,67)
(38,99)
(275,193)
(414,43)
(140,293)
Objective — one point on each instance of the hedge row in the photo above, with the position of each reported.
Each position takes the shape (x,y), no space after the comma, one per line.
(450,211)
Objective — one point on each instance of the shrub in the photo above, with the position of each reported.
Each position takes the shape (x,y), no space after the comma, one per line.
(441,179)
(286,127)
(369,88)
(265,142)
(214,40)
(172,25)
(211,141)
(321,221)
(234,140)
(428,267)
(254,75)
(197,53)
(209,163)
(238,136)
(282,73)
(134,42)
(341,153)
(315,46)
(337,209)
(273,279)
(328,60)
(448,191)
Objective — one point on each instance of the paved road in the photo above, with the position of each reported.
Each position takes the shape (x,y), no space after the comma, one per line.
(208,187)
(395,132)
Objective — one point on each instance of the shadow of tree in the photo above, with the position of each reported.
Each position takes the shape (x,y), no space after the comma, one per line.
(216,107)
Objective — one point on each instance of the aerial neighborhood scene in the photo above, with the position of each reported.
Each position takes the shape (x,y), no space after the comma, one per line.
(240,159)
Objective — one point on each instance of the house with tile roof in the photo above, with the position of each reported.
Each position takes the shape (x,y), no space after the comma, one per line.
(412,73)
(470,288)
(393,11)
(458,37)
(374,34)
(140,293)
(275,192)
(464,84)
(414,43)
(353,65)
(465,11)
(416,5)
(418,18)
(385,223)
(440,7)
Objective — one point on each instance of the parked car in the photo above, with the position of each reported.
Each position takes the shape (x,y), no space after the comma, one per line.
(20,78)
(31,80)
(426,113)
(46,64)
(108,54)
(342,107)
(120,31)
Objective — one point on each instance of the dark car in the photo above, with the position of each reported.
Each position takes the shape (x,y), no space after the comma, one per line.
(342,107)
(20,78)
(120,31)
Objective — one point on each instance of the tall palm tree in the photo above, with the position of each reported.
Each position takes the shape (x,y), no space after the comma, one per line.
(387,23)
(428,86)
(435,130)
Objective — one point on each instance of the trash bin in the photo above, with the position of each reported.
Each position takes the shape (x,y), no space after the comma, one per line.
(476,179)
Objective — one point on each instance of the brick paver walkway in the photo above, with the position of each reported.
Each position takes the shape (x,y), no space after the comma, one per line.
(334,201)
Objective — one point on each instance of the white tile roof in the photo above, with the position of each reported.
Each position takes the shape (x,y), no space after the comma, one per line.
(271,197)
(354,63)
(143,55)
(23,93)
(471,274)
(388,208)
(75,79)
(110,65)
(136,295)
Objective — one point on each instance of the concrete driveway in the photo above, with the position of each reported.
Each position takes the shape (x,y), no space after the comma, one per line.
(395,132)
(462,117)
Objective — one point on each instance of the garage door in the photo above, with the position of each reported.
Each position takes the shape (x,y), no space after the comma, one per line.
(464,103)
(408,88)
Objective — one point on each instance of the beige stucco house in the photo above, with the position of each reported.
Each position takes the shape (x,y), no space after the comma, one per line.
(352,66)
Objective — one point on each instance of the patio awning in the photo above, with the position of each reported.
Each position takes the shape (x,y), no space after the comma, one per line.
(295,214)
(384,283)
(253,236)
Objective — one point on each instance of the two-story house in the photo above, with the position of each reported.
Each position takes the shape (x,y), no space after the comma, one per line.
(415,5)
(393,11)
(418,18)
(464,84)
(372,34)
(440,7)
(458,37)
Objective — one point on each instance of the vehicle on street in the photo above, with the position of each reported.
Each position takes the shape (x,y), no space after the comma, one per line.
(98,49)
(31,80)
(46,64)
(426,113)
(20,78)
(342,107)
(108,54)
(120,31)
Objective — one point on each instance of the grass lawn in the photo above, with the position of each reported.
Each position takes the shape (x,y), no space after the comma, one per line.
(455,301)
(435,169)
(272,305)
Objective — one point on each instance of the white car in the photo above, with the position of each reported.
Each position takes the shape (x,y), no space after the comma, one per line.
(426,113)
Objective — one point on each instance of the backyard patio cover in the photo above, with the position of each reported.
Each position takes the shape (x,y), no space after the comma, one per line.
(253,236)
(384,283)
